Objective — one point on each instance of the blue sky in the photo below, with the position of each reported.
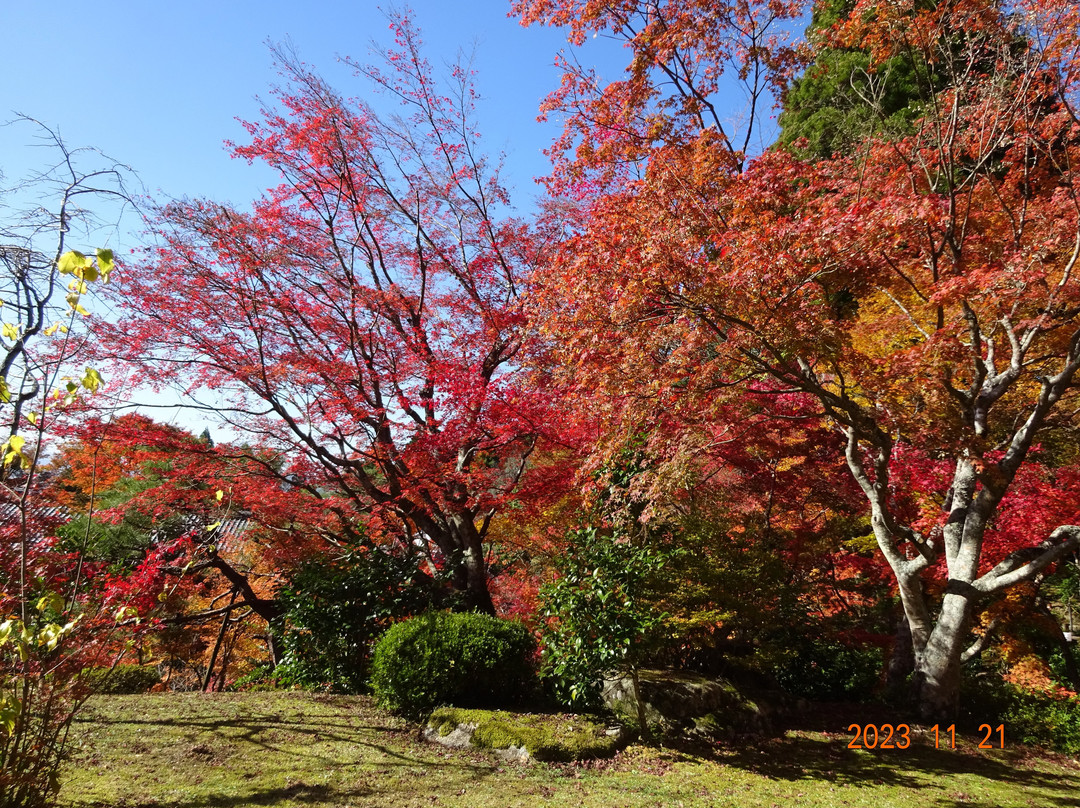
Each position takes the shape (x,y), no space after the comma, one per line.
(159,85)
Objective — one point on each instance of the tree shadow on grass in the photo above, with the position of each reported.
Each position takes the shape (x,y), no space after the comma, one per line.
(801,757)
(272,732)
(267,736)
(298,793)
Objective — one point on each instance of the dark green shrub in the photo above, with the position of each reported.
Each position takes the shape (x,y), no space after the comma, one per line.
(1059,667)
(600,620)
(123,679)
(337,609)
(828,670)
(1038,718)
(1041,719)
(464,660)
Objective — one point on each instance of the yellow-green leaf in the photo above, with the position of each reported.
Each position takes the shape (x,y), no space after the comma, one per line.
(105,264)
(10,331)
(11,455)
(50,601)
(32,418)
(49,636)
(48,332)
(92,380)
(218,496)
(72,261)
(10,708)
(14,444)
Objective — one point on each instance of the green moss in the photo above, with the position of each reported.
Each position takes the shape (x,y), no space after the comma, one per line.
(545,737)
(707,724)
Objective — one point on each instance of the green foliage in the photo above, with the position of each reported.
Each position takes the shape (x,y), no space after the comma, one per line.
(123,679)
(840,100)
(1059,666)
(599,617)
(1042,719)
(122,544)
(828,670)
(1036,718)
(260,678)
(728,595)
(465,660)
(336,610)
(1062,589)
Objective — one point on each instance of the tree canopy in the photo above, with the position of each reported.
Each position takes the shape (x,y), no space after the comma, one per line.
(916,291)
(364,320)
(828,382)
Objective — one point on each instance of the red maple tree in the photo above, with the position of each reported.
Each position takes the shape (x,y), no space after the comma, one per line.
(920,291)
(363,322)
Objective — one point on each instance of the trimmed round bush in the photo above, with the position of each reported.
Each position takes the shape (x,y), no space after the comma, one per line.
(463,660)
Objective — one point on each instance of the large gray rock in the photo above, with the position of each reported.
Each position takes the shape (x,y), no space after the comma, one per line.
(689,705)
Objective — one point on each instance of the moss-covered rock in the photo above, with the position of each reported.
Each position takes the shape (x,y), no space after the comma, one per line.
(679,704)
(524,736)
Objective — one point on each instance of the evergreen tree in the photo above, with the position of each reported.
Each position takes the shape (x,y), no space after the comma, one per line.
(841,101)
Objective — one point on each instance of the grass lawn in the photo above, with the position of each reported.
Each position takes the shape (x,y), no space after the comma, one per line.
(297,749)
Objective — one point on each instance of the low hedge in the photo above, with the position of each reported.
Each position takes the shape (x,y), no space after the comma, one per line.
(122,680)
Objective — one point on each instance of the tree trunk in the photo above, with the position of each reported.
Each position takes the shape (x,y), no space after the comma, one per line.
(217,644)
(226,658)
(1071,671)
(937,668)
(646,735)
(477,595)
(470,575)
(902,660)
(273,651)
